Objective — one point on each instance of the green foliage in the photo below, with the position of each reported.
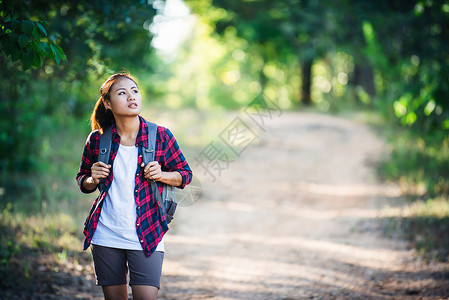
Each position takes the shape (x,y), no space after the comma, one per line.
(281,33)
(23,40)
(407,45)
(419,162)
(399,48)
(96,42)
(226,76)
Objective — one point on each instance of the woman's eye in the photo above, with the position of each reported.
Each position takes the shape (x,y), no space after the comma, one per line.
(135,91)
(121,93)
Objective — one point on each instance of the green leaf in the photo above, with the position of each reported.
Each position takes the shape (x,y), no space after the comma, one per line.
(27,60)
(36,33)
(55,53)
(27,27)
(15,25)
(15,55)
(36,60)
(61,52)
(409,119)
(446,124)
(23,40)
(430,107)
(34,44)
(44,48)
(399,108)
(8,47)
(53,50)
(41,28)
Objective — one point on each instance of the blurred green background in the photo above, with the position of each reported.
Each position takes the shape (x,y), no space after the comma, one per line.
(387,60)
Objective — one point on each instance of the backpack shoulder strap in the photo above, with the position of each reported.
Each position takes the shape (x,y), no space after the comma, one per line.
(105,150)
(105,145)
(148,155)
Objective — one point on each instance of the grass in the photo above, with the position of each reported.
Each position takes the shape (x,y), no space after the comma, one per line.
(43,232)
(419,163)
(425,224)
(23,238)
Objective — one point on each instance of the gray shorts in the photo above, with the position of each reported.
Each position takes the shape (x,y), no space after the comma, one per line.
(111,266)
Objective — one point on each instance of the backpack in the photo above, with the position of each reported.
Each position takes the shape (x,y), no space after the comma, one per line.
(168,198)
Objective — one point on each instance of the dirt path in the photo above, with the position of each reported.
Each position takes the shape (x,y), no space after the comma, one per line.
(296,217)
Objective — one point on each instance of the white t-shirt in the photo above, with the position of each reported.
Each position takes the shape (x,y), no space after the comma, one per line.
(117,224)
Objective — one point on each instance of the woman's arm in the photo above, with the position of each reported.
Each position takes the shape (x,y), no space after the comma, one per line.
(87,161)
(91,170)
(171,178)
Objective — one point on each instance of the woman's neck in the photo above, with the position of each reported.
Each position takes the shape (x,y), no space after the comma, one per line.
(128,129)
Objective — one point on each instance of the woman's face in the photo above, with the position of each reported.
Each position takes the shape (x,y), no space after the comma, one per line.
(126,100)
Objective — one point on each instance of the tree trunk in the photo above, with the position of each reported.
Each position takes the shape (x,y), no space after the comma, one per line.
(364,77)
(262,78)
(306,82)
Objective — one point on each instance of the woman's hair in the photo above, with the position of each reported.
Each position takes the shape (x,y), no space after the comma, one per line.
(101,117)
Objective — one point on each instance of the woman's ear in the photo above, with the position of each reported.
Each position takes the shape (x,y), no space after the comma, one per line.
(107,104)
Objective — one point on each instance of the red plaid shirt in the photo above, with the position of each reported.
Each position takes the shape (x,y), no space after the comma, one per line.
(151,224)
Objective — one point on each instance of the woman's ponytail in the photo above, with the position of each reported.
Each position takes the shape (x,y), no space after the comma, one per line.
(101,117)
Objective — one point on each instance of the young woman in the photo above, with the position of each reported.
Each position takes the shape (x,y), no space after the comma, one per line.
(126,225)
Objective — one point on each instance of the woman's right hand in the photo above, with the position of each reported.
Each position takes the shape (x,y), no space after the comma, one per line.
(99,170)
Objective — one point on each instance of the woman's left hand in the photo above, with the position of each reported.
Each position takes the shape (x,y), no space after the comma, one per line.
(152,171)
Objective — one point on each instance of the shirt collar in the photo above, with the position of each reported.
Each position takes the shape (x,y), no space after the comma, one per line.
(142,136)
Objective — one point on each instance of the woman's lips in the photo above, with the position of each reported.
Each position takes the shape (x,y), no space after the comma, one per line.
(132,105)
